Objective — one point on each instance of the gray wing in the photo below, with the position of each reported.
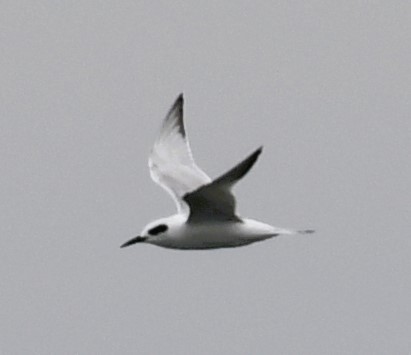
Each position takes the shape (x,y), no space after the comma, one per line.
(171,162)
(215,201)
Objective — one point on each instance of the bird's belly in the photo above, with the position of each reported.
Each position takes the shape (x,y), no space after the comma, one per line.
(203,242)
(219,235)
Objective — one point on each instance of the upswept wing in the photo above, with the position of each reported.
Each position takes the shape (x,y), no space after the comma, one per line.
(215,202)
(171,162)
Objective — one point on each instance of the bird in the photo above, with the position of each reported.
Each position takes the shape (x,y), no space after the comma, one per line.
(206,215)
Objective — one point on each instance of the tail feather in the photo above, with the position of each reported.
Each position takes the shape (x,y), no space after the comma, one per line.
(306,231)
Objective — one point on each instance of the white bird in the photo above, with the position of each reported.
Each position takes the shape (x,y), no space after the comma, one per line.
(206,217)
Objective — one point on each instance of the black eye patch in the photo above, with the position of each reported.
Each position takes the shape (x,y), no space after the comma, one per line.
(158,229)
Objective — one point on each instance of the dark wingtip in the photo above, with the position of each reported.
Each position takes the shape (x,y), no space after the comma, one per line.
(177,110)
(236,173)
(254,155)
(178,103)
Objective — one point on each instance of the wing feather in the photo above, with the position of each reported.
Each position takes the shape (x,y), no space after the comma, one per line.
(171,162)
(215,201)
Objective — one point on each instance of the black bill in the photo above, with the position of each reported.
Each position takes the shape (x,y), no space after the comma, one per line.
(135,240)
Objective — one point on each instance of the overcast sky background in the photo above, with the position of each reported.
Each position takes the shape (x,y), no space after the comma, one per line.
(325,86)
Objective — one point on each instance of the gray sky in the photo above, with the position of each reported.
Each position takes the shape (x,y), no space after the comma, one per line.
(325,86)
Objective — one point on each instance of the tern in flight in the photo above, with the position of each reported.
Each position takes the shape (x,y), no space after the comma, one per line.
(206,217)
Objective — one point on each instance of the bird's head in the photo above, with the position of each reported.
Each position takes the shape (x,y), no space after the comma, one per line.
(154,232)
